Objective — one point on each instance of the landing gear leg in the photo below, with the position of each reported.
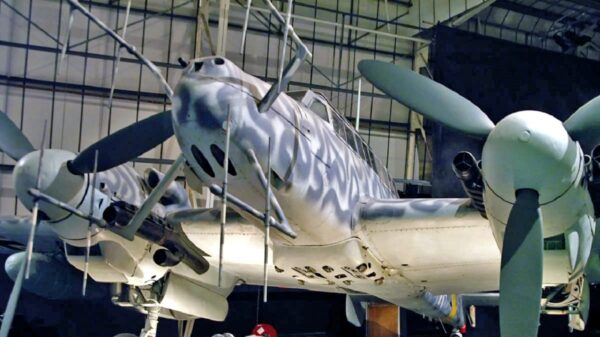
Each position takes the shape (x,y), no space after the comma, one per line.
(149,329)
(185,328)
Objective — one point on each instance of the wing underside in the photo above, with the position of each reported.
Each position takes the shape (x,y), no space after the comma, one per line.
(444,245)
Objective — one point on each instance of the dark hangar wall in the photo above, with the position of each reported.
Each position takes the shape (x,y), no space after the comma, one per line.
(502,77)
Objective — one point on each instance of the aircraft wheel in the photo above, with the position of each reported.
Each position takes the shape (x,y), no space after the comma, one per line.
(456,334)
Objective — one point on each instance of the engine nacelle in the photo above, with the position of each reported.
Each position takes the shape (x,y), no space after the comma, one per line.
(52,278)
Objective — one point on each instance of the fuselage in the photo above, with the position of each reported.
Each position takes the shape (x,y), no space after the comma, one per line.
(322,175)
(321,167)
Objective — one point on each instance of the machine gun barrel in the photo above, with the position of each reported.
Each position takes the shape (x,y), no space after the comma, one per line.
(156,230)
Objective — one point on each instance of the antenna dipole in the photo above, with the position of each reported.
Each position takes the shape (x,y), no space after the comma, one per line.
(224,206)
(267,224)
(36,207)
(88,237)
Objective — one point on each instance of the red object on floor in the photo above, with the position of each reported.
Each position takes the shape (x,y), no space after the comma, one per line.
(264,330)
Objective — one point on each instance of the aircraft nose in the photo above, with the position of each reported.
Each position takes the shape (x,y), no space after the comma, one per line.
(200,101)
(526,150)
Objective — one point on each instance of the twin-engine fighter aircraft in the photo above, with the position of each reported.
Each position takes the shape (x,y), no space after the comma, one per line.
(345,229)
(536,183)
(288,162)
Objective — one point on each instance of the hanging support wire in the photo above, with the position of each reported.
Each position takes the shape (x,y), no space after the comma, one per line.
(118,60)
(129,47)
(267,224)
(285,36)
(65,44)
(88,237)
(302,53)
(36,207)
(358,104)
(387,15)
(245,29)
(224,206)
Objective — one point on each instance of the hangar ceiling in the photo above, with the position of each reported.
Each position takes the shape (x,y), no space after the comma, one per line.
(563,26)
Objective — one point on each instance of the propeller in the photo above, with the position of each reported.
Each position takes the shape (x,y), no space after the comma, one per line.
(522,269)
(12,140)
(522,251)
(427,97)
(125,144)
(584,123)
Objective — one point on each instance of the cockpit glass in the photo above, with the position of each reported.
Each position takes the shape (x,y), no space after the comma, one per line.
(320,109)
(297,95)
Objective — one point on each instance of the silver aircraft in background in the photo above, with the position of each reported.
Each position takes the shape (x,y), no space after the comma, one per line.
(307,205)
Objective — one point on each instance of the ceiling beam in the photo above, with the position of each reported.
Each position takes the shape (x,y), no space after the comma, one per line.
(536,12)
(588,3)
(463,17)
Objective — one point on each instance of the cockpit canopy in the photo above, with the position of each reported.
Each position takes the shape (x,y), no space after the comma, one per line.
(321,107)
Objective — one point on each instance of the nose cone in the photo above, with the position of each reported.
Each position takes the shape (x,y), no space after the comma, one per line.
(200,102)
(530,149)
(206,91)
(54,178)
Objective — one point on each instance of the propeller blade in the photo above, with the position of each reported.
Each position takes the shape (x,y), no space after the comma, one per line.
(521,273)
(583,124)
(125,144)
(12,141)
(427,97)
(13,300)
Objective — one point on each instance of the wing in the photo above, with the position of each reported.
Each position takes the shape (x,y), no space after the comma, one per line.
(442,244)
(14,233)
(413,253)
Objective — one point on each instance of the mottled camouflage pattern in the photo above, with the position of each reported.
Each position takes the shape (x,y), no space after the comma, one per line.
(318,170)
